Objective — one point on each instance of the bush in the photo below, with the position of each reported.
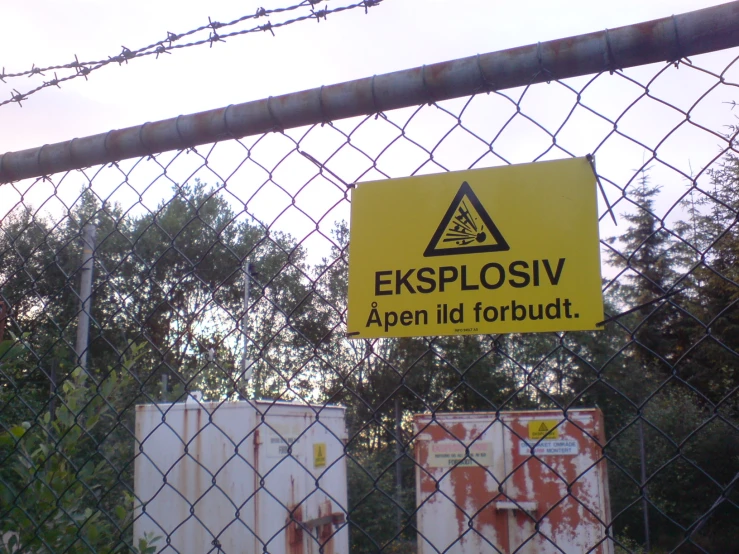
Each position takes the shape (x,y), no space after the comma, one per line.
(60,489)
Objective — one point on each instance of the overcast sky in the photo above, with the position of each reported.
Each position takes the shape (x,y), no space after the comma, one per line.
(398,34)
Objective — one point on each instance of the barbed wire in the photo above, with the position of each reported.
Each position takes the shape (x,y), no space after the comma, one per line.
(168,45)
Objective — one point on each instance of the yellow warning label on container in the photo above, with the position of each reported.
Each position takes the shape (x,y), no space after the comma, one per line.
(319,454)
(543,429)
(512,249)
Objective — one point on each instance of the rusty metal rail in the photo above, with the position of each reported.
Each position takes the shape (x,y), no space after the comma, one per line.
(668,39)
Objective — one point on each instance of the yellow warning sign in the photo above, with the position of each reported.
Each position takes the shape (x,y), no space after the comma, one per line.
(543,429)
(511,249)
(319,454)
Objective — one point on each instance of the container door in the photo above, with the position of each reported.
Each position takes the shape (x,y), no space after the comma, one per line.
(294,516)
(194,474)
(562,486)
(280,486)
(457,493)
(325,523)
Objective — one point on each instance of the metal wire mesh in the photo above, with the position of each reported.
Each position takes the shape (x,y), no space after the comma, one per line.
(184,240)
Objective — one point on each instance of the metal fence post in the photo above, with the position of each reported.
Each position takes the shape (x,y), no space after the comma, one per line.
(83,319)
(398,458)
(645,501)
(3,318)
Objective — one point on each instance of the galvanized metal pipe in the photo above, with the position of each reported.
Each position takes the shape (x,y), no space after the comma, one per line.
(247,366)
(667,39)
(398,465)
(3,318)
(644,492)
(83,318)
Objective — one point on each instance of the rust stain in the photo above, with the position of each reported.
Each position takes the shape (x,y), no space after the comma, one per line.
(473,498)
(557,47)
(294,534)
(570,491)
(199,435)
(437,70)
(326,531)
(560,489)
(256,489)
(139,423)
(202,125)
(197,455)
(648,28)
(283,108)
(469,488)
(114,143)
(183,464)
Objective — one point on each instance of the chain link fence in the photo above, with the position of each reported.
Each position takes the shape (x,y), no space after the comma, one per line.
(175,375)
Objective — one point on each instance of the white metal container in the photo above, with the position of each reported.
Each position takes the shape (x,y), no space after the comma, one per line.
(480,489)
(242,477)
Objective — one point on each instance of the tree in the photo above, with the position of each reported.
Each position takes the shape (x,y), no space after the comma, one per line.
(655,383)
(171,278)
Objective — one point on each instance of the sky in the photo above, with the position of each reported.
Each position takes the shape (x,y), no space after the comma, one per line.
(395,35)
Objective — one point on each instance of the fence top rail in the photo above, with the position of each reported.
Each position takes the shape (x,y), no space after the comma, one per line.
(667,39)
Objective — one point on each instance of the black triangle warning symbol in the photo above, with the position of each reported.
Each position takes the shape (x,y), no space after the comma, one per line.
(466,228)
(543,428)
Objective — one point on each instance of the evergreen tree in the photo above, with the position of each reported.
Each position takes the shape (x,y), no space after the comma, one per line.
(655,385)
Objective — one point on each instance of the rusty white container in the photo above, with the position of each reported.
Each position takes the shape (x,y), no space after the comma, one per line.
(253,476)
(480,490)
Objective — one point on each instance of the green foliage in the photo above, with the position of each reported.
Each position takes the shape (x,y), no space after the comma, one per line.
(625,545)
(672,372)
(61,480)
(171,277)
(379,516)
